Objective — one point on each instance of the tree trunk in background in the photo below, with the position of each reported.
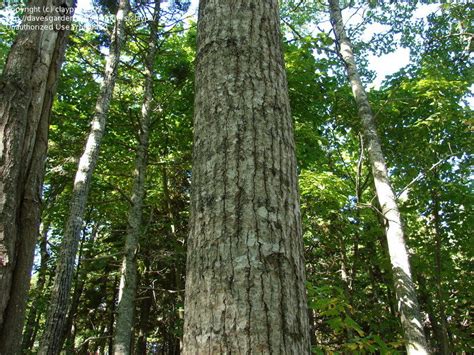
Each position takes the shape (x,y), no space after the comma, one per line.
(346,280)
(145,309)
(27,88)
(60,296)
(427,300)
(312,328)
(443,339)
(176,269)
(404,286)
(245,285)
(79,283)
(128,280)
(37,307)
(34,314)
(113,307)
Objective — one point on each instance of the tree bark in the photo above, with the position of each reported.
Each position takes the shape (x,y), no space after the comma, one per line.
(60,296)
(245,285)
(404,286)
(128,280)
(79,284)
(27,88)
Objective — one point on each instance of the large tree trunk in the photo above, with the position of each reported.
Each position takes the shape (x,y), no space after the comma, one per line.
(245,285)
(128,281)
(404,286)
(27,88)
(51,342)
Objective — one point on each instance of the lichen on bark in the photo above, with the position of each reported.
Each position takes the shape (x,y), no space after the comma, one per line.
(245,286)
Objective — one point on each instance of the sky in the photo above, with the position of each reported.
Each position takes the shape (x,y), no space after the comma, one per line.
(390,63)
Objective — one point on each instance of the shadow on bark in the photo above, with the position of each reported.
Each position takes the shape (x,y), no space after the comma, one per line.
(409,310)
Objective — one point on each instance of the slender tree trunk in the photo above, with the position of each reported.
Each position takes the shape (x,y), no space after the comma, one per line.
(60,296)
(359,189)
(143,328)
(426,299)
(112,308)
(32,319)
(128,281)
(312,327)
(27,88)
(145,309)
(443,339)
(169,209)
(69,333)
(245,285)
(79,283)
(176,269)
(37,305)
(346,281)
(404,286)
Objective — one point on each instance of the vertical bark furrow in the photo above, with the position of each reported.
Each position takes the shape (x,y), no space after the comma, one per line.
(244,204)
(27,89)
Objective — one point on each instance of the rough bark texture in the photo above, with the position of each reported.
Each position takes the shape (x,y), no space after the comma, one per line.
(128,280)
(60,295)
(27,88)
(245,285)
(404,286)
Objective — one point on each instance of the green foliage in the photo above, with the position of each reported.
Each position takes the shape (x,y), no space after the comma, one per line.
(425,123)
(332,305)
(6,39)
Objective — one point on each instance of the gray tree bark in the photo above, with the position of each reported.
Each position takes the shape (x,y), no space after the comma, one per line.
(79,284)
(245,285)
(51,341)
(27,88)
(404,286)
(128,280)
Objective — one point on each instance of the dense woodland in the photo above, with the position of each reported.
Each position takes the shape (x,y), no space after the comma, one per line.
(112,205)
